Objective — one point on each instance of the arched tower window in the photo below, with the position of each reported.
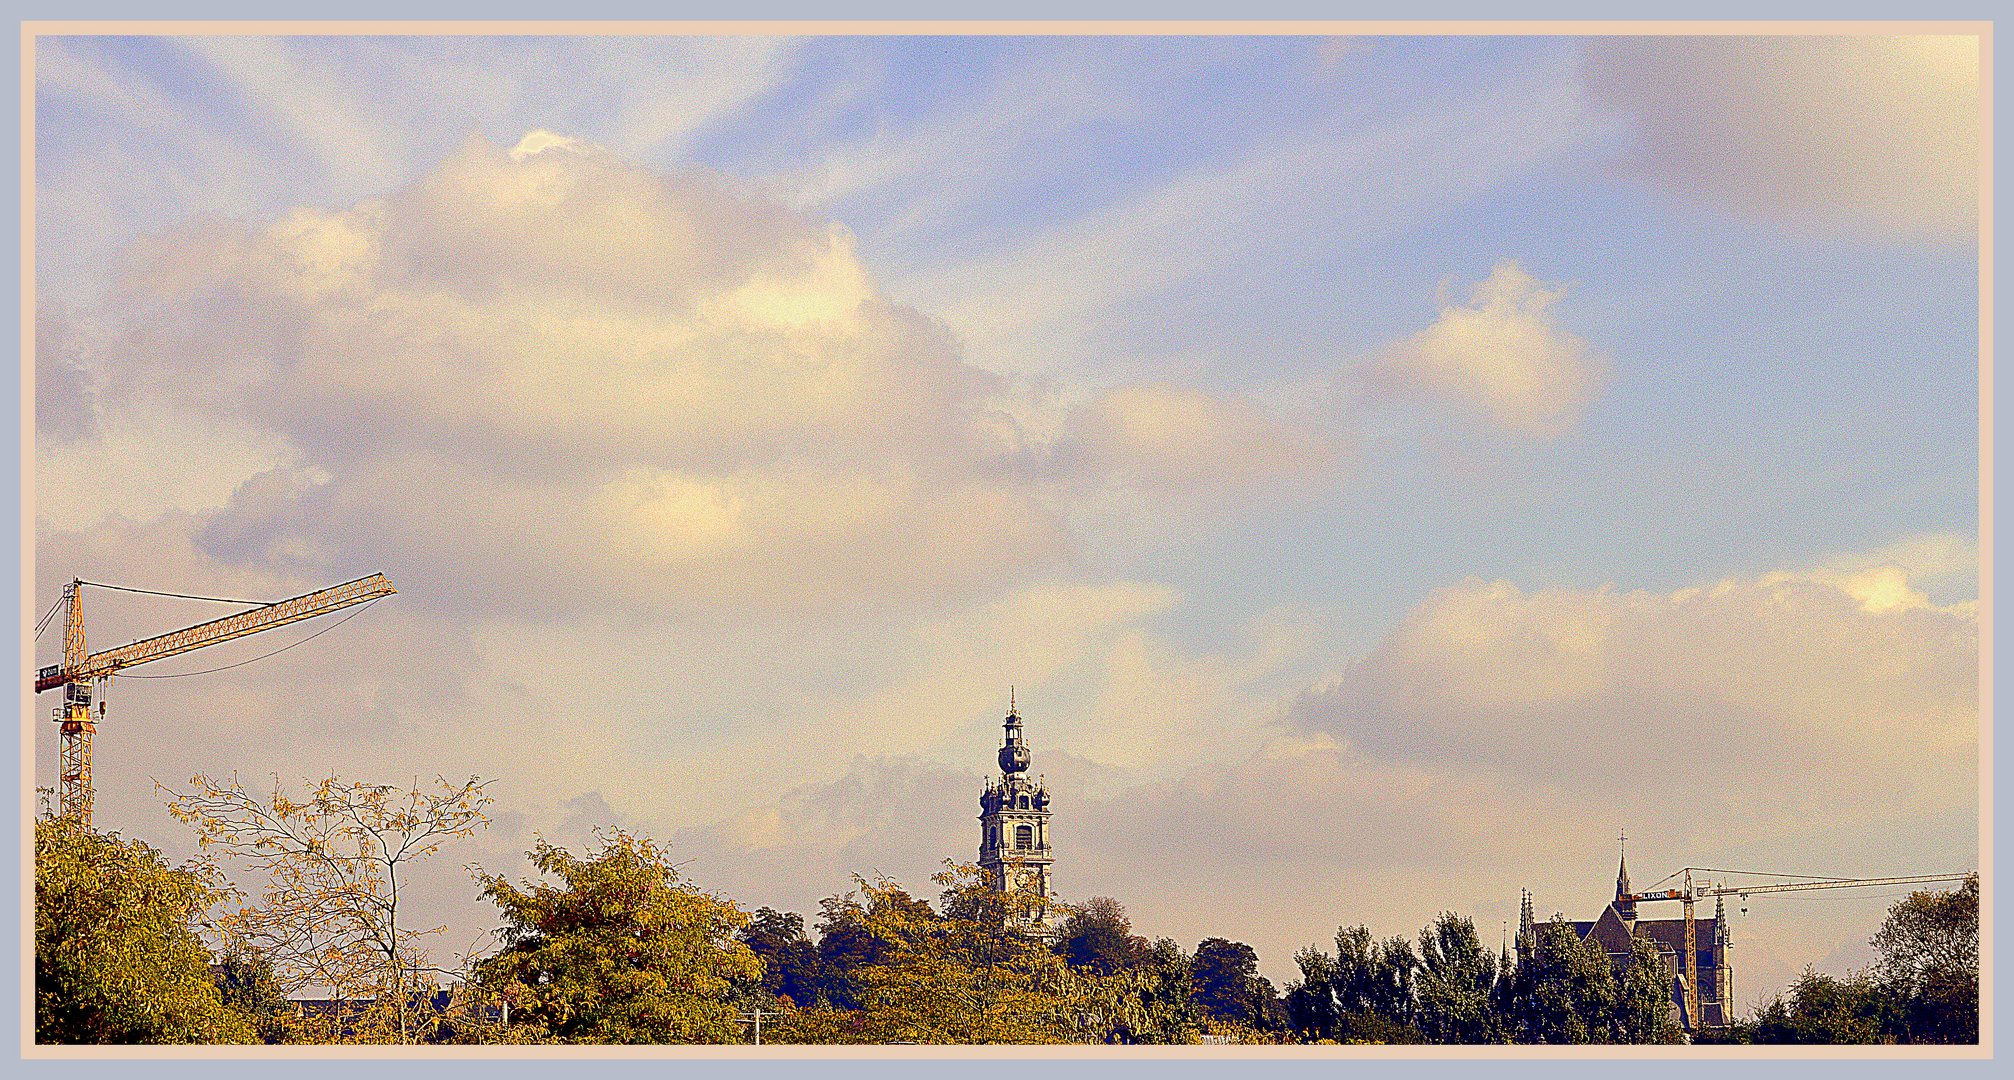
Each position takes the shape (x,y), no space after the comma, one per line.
(1024,802)
(1024,837)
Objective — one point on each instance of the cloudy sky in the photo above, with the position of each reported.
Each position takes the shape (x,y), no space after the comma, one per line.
(1385,468)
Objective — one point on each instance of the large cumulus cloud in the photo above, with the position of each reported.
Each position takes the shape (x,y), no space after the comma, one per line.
(546,377)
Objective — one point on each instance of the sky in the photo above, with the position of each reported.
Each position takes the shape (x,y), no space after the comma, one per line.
(1385,469)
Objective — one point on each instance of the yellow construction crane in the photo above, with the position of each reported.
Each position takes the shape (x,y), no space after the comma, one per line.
(1690,892)
(84,677)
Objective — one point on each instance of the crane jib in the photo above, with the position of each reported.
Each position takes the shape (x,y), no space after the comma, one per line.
(306,606)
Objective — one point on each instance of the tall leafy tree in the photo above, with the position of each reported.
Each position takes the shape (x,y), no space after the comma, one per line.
(118,957)
(1928,950)
(847,942)
(973,973)
(1644,1012)
(1229,989)
(790,963)
(1565,993)
(1456,984)
(1098,936)
(620,949)
(1820,1009)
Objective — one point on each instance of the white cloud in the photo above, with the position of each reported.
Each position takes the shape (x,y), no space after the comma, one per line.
(1503,355)
(1871,136)
(1786,693)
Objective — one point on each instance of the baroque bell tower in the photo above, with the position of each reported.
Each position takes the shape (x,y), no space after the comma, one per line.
(1014,820)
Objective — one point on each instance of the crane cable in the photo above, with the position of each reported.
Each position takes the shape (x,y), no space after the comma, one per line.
(256,659)
(44,624)
(178,596)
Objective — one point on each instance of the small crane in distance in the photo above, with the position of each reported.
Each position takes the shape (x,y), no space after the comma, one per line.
(1690,892)
(84,676)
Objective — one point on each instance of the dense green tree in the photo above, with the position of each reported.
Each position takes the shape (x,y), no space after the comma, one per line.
(118,956)
(1098,936)
(621,950)
(1566,993)
(791,967)
(1225,975)
(1311,1007)
(1455,984)
(1929,963)
(1820,1009)
(1362,994)
(1644,1012)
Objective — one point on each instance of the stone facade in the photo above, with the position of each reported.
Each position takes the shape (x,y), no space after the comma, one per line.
(1014,822)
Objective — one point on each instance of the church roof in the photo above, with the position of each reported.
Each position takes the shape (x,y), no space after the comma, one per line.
(1609,931)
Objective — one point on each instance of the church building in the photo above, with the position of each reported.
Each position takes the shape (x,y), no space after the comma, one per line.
(1618,925)
(1014,822)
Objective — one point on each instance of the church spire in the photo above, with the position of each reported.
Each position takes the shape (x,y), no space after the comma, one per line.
(1625,906)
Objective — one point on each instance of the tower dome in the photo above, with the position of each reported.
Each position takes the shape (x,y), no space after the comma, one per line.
(1014,752)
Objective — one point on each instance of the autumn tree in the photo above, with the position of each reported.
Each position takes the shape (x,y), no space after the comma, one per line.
(1149,1001)
(970,972)
(620,949)
(1928,949)
(336,864)
(848,941)
(118,954)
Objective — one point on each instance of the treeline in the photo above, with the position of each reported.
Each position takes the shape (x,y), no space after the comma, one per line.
(614,945)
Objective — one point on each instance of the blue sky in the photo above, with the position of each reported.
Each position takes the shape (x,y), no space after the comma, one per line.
(1243,400)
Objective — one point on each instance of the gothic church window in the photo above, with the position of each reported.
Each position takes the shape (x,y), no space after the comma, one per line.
(1024,837)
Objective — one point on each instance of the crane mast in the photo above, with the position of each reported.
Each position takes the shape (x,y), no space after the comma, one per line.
(83,676)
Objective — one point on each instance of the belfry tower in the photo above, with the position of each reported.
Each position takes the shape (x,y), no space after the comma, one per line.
(1014,820)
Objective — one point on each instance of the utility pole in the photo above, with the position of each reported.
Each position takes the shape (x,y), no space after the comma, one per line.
(755,1018)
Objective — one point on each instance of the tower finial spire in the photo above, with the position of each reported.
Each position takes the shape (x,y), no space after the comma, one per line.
(1010,698)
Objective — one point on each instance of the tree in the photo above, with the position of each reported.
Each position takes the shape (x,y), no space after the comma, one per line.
(846,943)
(1362,994)
(1928,950)
(621,950)
(790,962)
(118,956)
(1098,936)
(1565,993)
(1456,984)
(1644,1012)
(970,974)
(245,979)
(1229,988)
(336,864)
(1820,1009)
(1147,1002)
